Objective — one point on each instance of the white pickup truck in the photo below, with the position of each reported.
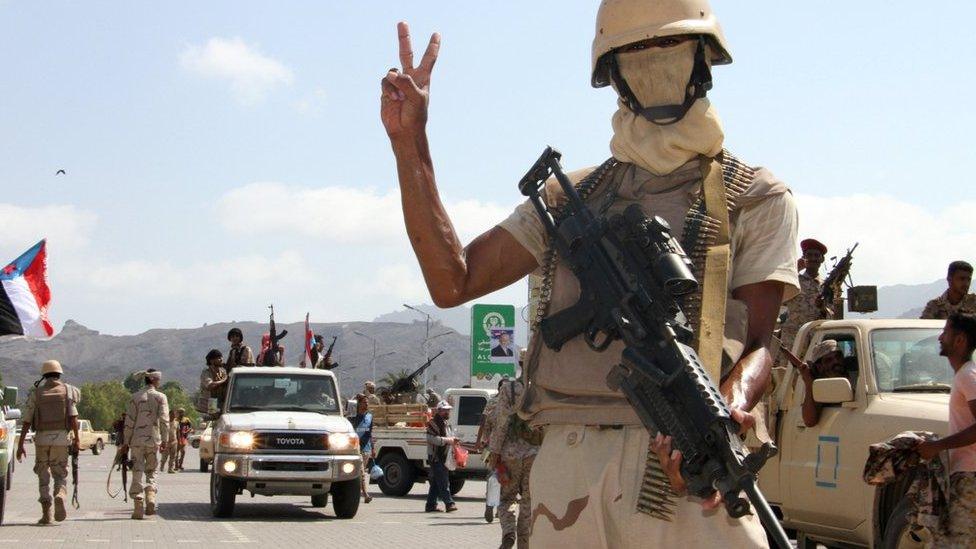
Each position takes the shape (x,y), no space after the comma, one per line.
(401,450)
(282,432)
(896,381)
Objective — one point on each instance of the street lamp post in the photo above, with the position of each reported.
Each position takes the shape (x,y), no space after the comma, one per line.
(427,352)
(423,346)
(372,361)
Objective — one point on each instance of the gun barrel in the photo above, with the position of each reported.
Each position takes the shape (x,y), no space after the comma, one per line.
(766,515)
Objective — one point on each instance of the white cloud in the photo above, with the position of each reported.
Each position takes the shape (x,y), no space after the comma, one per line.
(251,74)
(345,214)
(66,227)
(900,242)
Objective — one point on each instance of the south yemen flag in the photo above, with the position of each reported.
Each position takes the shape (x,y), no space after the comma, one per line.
(24,295)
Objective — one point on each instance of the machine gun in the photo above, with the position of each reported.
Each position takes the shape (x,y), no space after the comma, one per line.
(830,289)
(409,383)
(631,273)
(270,357)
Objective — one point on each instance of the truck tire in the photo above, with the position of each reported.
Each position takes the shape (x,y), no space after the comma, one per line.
(897,534)
(3,496)
(223,495)
(398,475)
(98,447)
(320,500)
(204,465)
(456,484)
(345,498)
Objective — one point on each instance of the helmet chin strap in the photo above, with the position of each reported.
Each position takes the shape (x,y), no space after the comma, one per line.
(664,115)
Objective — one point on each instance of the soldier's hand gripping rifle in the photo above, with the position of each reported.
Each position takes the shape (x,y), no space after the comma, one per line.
(120,463)
(271,357)
(408,383)
(328,355)
(631,272)
(831,287)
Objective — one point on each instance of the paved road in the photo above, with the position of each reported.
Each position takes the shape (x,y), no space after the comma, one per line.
(184,518)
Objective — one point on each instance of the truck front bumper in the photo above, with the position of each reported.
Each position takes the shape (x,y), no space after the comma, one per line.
(288,468)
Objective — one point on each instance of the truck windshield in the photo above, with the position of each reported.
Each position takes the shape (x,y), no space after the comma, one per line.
(907,360)
(285,392)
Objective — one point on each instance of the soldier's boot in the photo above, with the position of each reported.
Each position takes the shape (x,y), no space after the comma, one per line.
(150,501)
(45,514)
(59,511)
(138,510)
(508,541)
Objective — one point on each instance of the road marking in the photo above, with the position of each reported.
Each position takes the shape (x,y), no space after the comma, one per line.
(392,522)
(187,541)
(234,532)
(98,540)
(141,541)
(49,540)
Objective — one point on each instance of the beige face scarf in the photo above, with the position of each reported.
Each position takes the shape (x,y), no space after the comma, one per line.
(658,76)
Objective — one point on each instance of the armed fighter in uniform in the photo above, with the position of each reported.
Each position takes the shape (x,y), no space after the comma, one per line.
(513,446)
(52,410)
(807,305)
(594,482)
(146,431)
(956,299)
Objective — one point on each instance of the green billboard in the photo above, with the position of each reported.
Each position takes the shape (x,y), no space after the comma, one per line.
(493,350)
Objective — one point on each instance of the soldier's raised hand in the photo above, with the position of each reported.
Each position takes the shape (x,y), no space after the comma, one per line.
(406,92)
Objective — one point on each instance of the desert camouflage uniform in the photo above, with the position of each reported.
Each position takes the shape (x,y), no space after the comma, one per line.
(940,308)
(517,455)
(962,512)
(51,449)
(169,454)
(146,427)
(890,460)
(801,309)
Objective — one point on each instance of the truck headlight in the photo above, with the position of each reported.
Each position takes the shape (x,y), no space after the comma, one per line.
(343,441)
(238,440)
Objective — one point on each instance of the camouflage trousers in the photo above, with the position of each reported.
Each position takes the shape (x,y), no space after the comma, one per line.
(143,467)
(516,492)
(962,512)
(168,456)
(51,462)
(585,483)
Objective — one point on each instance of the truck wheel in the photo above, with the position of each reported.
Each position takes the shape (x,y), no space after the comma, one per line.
(3,496)
(456,485)
(223,495)
(98,447)
(345,498)
(897,534)
(398,475)
(204,465)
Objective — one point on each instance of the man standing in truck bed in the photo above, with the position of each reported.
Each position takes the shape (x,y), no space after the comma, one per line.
(668,158)
(52,411)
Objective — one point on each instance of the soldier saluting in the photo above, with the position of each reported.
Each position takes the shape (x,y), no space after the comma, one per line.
(52,411)
(146,431)
(668,158)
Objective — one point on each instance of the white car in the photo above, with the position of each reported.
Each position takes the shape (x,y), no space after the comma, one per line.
(282,432)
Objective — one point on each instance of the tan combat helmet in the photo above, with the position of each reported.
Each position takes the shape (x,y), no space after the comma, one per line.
(623,22)
(51,367)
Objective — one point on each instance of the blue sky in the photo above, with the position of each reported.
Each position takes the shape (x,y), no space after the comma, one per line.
(223,155)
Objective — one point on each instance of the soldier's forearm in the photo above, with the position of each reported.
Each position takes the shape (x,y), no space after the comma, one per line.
(432,236)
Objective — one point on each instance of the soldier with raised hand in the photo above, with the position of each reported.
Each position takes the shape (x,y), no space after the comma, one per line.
(741,228)
(146,431)
(808,305)
(52,410)
(956,299)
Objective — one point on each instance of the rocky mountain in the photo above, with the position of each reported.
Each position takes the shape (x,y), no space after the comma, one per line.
(904,300)
(179,353)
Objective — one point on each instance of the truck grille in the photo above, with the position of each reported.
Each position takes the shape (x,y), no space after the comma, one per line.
(289,466)
(291,441)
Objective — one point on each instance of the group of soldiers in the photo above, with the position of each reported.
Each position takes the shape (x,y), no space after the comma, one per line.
(52,411)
